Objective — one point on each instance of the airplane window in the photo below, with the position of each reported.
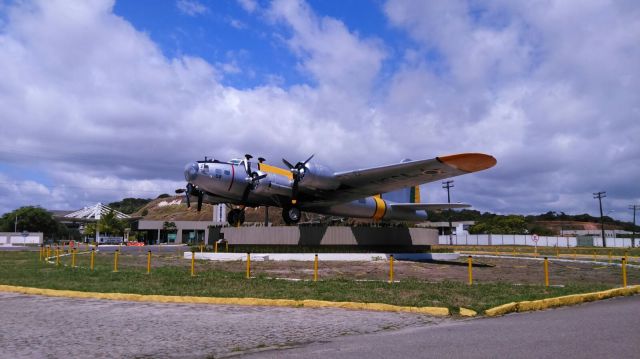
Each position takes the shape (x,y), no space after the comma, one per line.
(218,171)
(227,173)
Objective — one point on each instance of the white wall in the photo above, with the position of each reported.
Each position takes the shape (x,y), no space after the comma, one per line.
(527,240)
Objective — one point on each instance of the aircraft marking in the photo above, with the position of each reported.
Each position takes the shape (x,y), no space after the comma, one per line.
(233,175)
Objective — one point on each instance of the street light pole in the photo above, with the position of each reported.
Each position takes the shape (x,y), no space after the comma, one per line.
(448,185)
(634,207)
(599,196)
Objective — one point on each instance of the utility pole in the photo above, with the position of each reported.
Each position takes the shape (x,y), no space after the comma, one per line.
(448,185)
(15,226)
(634,207)
(599,196)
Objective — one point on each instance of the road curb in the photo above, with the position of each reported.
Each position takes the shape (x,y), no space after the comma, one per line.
(572,299)
(307,303)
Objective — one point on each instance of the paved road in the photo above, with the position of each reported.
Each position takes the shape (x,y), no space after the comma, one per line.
(44,327)
(606,329)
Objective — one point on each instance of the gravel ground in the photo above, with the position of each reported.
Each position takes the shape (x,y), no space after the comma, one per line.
(46,327)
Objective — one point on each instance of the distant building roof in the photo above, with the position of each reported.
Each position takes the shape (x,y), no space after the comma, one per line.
(94,212)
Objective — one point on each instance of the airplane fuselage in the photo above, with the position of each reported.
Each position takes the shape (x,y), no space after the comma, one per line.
(228,182)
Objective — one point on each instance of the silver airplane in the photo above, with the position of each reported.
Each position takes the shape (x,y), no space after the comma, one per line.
(388,193)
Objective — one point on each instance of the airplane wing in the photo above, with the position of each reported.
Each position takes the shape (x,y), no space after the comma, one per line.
(371,181)
(429,206)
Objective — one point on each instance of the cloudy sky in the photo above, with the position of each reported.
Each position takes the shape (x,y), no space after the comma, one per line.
(101,100)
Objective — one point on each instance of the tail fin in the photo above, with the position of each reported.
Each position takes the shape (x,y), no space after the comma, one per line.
(405,195)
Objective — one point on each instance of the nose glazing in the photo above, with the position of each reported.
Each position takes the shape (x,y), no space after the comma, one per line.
(191,171)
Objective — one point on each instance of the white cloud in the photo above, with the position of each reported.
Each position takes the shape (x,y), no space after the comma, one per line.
(248,5)
(191,7)
(551,90)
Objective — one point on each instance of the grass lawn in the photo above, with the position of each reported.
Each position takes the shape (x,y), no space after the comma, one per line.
(24,269)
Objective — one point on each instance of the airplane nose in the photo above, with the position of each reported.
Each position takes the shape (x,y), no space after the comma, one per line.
(191,171)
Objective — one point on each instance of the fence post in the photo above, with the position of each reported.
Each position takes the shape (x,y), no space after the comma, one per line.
(315,268)
(73,258)
(57,256)
(93,252)
(193,263)
(115,260)
(546,272)
(226,246)
(391,268)
(248,265)
(40,254)
(624,272)
(470,269)
(149,262)
(215,246)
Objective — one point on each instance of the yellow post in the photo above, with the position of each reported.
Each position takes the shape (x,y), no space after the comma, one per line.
(248,265)
(193,263)
(73,258)
(625,255)
(149,262)
(40,254)
(93,253)
(215,247)
(609,256)
(624,272)
(315,268)
(470,269)
(391,268)
(115,261)
(546,272)
(201,248)
(226,246)
(57,256)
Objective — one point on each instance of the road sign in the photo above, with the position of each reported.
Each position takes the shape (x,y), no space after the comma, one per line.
(535,238)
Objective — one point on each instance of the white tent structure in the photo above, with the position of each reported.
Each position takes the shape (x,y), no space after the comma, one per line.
(93,214)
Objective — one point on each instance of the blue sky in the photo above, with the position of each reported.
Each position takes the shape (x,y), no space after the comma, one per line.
(107,99)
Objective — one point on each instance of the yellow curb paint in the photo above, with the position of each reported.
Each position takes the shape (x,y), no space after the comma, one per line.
(467,312)
(435,311)
(541,304)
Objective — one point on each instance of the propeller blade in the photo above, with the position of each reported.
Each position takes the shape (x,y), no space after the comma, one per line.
(288,164)
(180,190)
(308,159)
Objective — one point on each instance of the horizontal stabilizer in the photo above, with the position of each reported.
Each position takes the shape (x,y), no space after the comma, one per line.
(429,206)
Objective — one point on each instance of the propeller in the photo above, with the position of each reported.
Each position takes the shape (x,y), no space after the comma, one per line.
(191,190)
(252,177)
(298,172)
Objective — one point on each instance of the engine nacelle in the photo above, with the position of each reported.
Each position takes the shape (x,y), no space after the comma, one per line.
(318,177)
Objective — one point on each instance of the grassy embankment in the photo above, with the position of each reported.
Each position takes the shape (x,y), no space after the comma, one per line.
(24,269)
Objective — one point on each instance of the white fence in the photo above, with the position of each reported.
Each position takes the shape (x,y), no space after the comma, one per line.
(527,240)
(18,239)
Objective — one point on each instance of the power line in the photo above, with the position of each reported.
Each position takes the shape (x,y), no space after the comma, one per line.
(634,207)
(448,184)
(599,196)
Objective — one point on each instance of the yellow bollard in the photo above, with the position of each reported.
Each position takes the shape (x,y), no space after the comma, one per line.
(193,263)
(115,260)
(546,272)
(149,262)
(609,256)
(391,268)
(226,246)
(248,265)
(40,255)
(470,269)
(201,248)
(624,272)
(57,256)
(315,268)
(93,253)
(215,247)
(73,258)
(625,255)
